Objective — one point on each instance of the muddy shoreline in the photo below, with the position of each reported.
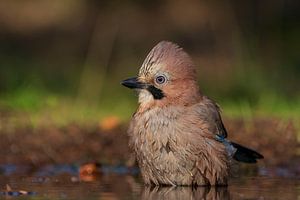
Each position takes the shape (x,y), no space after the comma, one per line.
(275,139)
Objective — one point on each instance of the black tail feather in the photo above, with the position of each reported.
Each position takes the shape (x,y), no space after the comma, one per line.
(243,154)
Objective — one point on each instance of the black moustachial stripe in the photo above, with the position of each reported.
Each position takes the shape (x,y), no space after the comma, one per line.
(156,93)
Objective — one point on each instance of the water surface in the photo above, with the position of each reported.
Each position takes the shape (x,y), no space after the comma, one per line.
(62,182)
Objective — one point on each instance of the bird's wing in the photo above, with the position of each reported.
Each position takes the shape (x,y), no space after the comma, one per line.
(209,112)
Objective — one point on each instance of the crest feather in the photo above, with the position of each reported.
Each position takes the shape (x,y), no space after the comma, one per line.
(167,55)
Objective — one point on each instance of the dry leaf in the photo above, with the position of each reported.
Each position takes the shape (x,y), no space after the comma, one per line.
(109,123)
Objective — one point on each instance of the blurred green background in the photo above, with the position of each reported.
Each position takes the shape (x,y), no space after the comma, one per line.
(61,62)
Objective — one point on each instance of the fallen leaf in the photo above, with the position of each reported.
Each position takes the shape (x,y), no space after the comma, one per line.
(8,188)
(89,172)
(109,123)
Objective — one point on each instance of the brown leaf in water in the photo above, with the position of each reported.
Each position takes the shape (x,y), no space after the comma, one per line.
(89,172)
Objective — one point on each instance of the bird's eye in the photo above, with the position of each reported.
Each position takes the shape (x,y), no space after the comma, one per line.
(160,79)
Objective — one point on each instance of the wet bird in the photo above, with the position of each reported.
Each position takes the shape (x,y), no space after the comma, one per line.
(177,133)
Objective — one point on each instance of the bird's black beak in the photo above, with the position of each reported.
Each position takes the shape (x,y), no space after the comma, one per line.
(133,83)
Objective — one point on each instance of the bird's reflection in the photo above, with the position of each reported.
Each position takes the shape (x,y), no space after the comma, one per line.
(208,193)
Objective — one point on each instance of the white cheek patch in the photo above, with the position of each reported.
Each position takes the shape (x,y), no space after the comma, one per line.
(145,97)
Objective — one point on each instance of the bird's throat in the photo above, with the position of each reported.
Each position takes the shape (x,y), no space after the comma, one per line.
(148,96)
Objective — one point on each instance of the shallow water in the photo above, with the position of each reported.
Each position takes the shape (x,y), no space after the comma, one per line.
(63,182)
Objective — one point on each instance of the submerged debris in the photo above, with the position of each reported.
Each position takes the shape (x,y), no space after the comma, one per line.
(10,192)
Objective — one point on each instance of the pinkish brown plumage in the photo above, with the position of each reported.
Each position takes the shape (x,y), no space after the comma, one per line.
(177,133)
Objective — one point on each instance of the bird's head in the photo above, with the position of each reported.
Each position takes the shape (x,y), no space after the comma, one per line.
(167,76)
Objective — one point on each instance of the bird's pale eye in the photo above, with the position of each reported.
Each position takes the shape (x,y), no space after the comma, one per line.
(160,79)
